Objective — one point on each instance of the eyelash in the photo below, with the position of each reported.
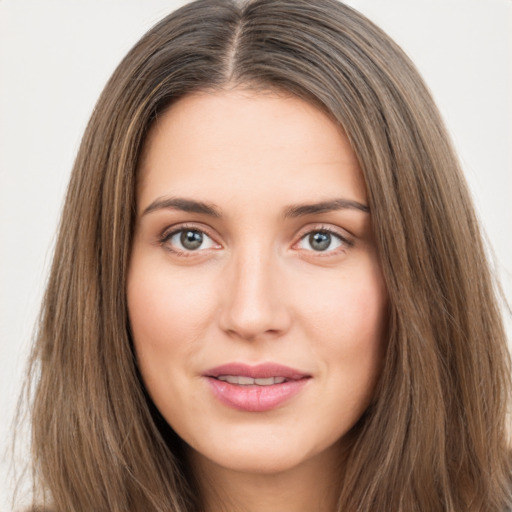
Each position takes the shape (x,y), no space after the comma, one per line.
(167,236)
(344,242)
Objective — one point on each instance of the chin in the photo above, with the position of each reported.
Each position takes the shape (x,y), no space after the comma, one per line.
(264,454)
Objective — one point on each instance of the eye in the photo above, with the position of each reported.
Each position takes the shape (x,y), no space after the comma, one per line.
(322,241)
(188,240)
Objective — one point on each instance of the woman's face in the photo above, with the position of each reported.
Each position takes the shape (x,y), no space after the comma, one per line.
(255,295)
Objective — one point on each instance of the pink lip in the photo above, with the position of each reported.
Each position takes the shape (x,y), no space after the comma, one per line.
(255,398)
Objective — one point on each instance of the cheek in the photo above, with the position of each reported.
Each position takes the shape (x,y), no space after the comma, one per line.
(347,318)
(165,309)
(348,310)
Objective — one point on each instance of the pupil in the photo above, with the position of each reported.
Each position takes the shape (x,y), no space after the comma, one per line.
(191,240)
(320,241)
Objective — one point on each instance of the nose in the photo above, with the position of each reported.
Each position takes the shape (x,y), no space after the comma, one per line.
(255,305)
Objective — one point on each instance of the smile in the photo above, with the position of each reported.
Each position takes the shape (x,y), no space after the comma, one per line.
(249,381)
(255,388)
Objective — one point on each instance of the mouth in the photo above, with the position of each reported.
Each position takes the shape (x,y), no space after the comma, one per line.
(257,388)
(241,380)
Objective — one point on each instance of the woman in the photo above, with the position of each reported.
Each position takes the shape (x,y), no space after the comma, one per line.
(269,290)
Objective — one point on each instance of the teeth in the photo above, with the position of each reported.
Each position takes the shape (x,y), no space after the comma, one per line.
(228,378)
(264,382)
(249,381)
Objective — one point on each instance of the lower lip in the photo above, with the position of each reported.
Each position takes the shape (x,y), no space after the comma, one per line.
(255,398)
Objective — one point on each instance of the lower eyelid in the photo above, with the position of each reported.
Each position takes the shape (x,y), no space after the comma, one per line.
(329,250)
(167,235)
(343,240)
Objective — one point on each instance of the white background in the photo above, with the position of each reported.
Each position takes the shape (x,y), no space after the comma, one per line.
(56,55)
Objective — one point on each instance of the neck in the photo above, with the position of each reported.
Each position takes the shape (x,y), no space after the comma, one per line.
(311,485)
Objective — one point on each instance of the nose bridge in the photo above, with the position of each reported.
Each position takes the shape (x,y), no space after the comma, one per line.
(253,303)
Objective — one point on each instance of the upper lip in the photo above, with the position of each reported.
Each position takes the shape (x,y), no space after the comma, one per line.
(259,371)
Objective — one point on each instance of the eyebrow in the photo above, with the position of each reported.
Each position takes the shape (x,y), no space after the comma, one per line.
(324,206)
(185,205)
(293,211)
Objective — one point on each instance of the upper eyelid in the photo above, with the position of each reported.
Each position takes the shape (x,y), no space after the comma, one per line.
(346,239)
(164,240)
(176,228)
(342,233)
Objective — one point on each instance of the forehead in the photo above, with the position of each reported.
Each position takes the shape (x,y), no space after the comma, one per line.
(249,143)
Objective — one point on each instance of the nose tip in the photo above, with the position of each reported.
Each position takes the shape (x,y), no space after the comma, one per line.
(254,304)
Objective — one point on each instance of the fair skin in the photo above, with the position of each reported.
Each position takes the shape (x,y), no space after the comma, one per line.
(253,245)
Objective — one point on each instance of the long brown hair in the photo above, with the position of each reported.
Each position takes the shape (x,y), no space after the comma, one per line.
(434,437)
